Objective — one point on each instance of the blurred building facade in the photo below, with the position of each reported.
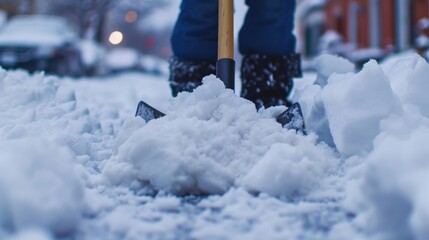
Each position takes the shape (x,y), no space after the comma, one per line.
(362,29)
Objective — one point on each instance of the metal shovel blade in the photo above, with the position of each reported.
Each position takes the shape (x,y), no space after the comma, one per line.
(147,112)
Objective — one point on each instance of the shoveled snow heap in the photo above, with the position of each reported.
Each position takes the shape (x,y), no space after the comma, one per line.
(378,121)
(72,166)
(212,140)
(40,138)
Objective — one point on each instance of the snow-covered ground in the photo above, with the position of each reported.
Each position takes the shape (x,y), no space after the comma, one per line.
(76,164)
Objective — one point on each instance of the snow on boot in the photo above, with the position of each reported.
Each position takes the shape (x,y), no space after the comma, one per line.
(267,79)
(186,75)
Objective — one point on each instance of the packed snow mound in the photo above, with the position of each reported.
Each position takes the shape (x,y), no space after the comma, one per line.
(40,106)
(395,185)
(377,120)
(326,65)
(38,187)
(408,78)
(289,170)
(34,106)
(348,111)
(43,133)
(211,140)
(355,105)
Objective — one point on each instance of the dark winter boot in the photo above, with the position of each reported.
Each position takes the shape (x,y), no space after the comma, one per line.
(187,75)
(267,79)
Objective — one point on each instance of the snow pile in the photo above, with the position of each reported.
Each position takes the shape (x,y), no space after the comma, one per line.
(409,81)
(366,182)
(42,135)
(289,169)
(211,140)
(39,106)
(355,105)
(347,112)
(38,188)
(326,65)
(378,122)
(395,187)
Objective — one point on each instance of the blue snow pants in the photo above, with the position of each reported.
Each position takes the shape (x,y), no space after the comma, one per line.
(267,29)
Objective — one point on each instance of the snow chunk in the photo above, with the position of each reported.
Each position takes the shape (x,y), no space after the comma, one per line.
(355,104)
(416,93)
(394,187)
(288,170)
(408,77)
(40,106)
(327,64)
(38,187)
(315,114)
(208,141)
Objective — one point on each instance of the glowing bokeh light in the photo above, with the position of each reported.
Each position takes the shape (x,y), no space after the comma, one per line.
(131,16)
(116,37)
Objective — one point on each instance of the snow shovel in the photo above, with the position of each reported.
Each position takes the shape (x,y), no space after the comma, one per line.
(225,66)
(291,118)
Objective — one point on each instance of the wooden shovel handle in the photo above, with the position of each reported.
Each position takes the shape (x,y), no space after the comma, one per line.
(226,29)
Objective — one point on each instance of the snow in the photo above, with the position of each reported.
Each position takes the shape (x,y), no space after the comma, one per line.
(422,41)
(409,80)
(353,123)
(326,65)
(397,201)
(331,40)
(38,119)
(76,164)
(290,170)
(43,185)
(195,159)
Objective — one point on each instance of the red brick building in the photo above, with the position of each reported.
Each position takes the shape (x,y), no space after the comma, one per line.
(373,24)
(377,23)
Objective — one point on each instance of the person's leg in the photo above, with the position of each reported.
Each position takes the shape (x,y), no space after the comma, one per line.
(194,44)
(267,44)
(268,27)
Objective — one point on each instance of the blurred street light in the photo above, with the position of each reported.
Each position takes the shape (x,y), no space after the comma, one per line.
(116,37)
(131,16)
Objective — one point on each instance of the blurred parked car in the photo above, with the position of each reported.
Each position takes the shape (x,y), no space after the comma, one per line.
(122,59)
(93,57)
(40,43)
(154,65)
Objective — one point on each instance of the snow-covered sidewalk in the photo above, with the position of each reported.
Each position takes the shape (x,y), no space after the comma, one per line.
(76,164)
